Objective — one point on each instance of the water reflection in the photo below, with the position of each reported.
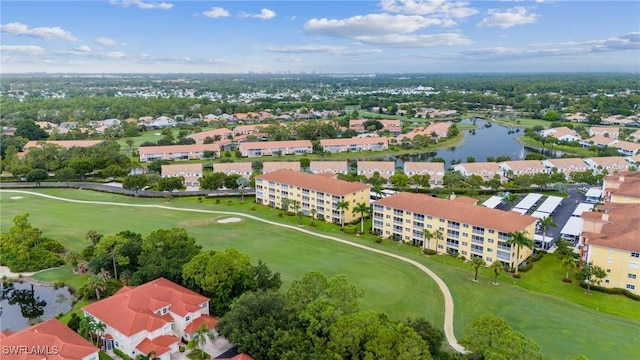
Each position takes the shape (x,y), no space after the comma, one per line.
(22,304)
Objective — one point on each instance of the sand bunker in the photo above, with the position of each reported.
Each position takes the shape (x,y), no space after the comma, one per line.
(229,220)
(15,197)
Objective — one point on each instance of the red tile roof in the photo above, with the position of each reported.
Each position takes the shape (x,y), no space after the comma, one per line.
(159,345)
(52,336)
(203,319)
(270,166)
(136,306)
(169,149)
(460,211)
(314,182)
(354,141)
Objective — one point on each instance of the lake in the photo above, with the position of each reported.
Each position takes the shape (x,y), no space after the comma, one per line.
(19,301)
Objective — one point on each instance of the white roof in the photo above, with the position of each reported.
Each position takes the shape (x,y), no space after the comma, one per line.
(529,201)
(540,215)
(550,204)
(492,202)
(540,238)
(594,192)
(582,207)
(573,226)
(521,211)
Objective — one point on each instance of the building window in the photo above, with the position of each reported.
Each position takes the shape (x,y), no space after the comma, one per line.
(635,254)
(608,271)
(631,276)
(631,287)
(606,281)
(187,318)
(164,310)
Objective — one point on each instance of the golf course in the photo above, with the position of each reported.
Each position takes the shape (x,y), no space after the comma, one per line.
(560,317)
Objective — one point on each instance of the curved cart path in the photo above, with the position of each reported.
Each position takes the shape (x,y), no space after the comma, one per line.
(448,300)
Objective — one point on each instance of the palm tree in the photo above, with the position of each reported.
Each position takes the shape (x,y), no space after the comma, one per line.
(497,267)
(199,339)
(87,326)
(362,209)
(437,234)
(545,222)
(343,205)
(511,198)
(99,329)
(571,264)
(97,283)
(297,209)
(428,235)
(313,213)
(519,239)
(377,189)
(285,204)
(476,262)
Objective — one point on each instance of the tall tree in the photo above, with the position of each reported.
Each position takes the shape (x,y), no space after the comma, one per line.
(427,235)
(546,222)
(66,174)
(343,206)
(511,198)
(112,245)
(36,176)
(491,337)
(97,283)
(363,209)
(81,166)
(519,239)
(476,262)
(570,263)
(199,339)
(497,268)
(437,234)
(135,183)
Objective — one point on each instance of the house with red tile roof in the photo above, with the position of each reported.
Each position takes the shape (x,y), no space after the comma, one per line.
(243,169)
(334,167)
(271,166)
(612,132)
(635,136)
(177,152)
(598,140)
(565,165)
(151,317)
(521,167)
(626,148)
(611,164)
(438,129)
(392,125)
(191,173)
(50,340)
(561,133)
(486,170)
(248,129)
(222,133)
(262,148)
(355,144)
(384,168)
(435,170)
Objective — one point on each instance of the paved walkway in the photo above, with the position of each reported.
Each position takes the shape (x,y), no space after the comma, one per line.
(448,300)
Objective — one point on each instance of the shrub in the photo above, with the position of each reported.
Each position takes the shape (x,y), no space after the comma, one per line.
(526,268)
(537,257)
(429,252)
(122,354)
(181,349)
(379,241)
(616,291)
(461,257)
(58,284)
(199,198)
(516,276)
(217,201)
(350,229)
(253,207)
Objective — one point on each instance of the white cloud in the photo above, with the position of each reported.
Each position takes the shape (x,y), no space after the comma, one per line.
(325,49)
(105,41)
(290,59)
(24,49)
(216,12)
(264,14)
(142,5)
(386,29)
(629,41)
(440,8)
(508,18)
(39,32)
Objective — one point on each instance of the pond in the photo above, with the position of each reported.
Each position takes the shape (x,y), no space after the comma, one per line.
(487,140)
(20,302)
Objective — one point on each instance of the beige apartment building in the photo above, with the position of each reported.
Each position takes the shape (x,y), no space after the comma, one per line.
(317,192)
(466,229)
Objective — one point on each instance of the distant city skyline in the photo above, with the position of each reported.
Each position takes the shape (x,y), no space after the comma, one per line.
(384,36)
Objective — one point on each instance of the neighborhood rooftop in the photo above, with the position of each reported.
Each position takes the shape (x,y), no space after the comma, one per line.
(313,182)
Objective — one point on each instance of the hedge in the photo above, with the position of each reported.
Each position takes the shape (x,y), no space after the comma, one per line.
(122,354)
(616,291)
(350,229)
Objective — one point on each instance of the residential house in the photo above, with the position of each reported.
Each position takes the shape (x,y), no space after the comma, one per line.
(634,160)
(635,136)
(521,167)
(263,148)
(394,126)
(435,170)
(162,122)
(578,117)
(562,133)
(434,131)
(317,192)
(611,164)
(334,167)
(109,122)
(216,134)
(466,228)
(564,165)
(191,173)
(50,340)
(248,129)
(271,166)
(241,168)
(598,140)
(354,144)
(486,170)
(154,316)
(611,132)
(623,187)
(178,152)
(611,240)
(626,148)
(384,168)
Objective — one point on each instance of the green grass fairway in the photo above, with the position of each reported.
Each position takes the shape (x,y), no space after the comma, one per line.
(562,327)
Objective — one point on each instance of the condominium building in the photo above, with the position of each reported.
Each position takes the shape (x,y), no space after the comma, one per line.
(465,228)
(622,188)
(486,170)
(335,167)
(435,170)
(311,191)
(611,240)
(179,152)
(215,134)
(243,169)
(262,148)
(355,144)
(271,166)
(191,173)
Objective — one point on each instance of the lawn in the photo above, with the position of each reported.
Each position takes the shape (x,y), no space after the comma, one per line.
(564,324)
(523,122)
(64,272)
(574,150)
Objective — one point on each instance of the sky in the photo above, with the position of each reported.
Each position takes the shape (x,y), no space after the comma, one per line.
(329,36)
